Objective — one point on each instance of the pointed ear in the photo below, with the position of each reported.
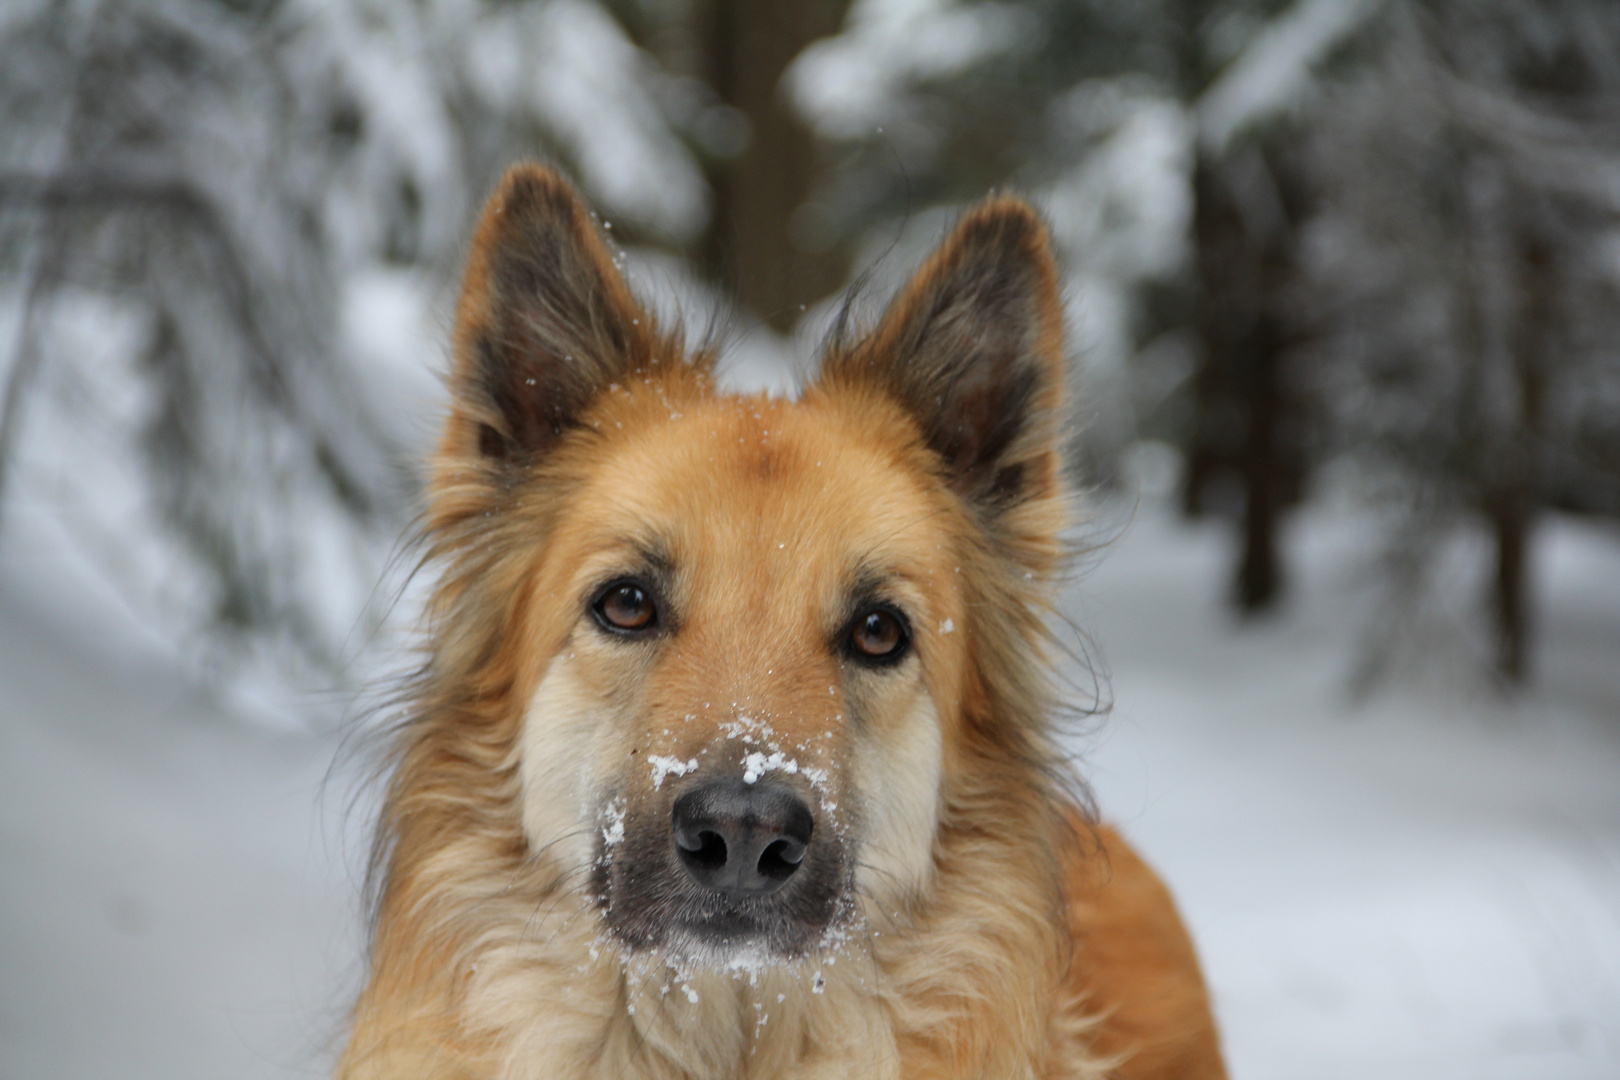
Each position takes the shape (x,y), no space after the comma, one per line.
(545,322)
(972,349)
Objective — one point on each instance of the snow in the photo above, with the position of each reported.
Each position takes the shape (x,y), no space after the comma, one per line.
(1423,885)
(853,83)
(175,898)
(589,81)
(1272,75)
(756,765)
(613,833)
(1426,884)
(662,766)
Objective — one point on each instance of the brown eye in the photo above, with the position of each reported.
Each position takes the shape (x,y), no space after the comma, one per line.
(878,636)
(625,607)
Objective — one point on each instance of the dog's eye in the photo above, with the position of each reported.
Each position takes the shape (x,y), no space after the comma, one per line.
(625,607)
(879,636)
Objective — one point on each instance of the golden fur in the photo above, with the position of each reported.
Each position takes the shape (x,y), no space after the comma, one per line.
(985,930)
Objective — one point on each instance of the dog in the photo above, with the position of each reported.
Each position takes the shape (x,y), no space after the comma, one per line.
(731,754)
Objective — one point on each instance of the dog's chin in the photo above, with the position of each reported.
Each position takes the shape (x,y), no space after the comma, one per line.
(719,936)
(732,930)
(707,949)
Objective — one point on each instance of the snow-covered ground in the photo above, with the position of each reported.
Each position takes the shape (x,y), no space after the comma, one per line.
(174,899)
(1423,885)
(1426,885)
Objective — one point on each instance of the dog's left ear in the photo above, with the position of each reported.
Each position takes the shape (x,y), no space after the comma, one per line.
(545,323)
(972,349)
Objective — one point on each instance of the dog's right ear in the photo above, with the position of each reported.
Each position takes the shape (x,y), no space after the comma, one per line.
(972,349)
(544,324)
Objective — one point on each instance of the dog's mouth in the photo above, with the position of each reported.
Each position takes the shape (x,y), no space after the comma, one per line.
(728,869)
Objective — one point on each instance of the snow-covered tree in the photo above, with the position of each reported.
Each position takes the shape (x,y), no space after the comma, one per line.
(1295,231)
(218,220)
(1084,105)
(1461,287)
(1298,231)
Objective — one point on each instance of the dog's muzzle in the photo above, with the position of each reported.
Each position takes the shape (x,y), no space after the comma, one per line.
(724,868)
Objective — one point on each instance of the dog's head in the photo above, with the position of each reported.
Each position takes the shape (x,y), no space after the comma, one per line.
(752,648)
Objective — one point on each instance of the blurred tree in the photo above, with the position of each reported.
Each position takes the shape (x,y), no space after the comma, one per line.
(1463,281)
(761,158)
(1295,230)
(139,144)
(1400,235)
(219,175)
(935,102)
(759,244)
(1250,416)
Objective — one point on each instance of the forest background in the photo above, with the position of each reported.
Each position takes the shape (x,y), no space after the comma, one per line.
(1324,246)
(1343,286)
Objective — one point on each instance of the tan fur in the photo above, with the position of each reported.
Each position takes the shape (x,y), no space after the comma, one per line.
(1134,960)
(985,937)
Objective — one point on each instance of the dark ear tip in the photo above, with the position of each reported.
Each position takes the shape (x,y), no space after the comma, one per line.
(1008,208)
(529,190)
(1006,224)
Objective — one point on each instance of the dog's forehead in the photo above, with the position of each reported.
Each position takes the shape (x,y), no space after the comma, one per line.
(797,484)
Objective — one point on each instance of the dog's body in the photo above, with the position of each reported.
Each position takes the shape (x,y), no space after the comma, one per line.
(730,757)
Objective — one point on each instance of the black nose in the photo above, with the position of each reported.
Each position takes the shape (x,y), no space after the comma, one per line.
(741,839)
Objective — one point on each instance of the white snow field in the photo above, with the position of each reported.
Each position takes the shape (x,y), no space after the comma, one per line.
(174,901)
(1425,885)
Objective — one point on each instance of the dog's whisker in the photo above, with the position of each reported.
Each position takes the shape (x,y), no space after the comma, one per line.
(544,910)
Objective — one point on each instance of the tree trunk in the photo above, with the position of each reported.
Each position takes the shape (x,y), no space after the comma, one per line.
(1510,522)
(1214,226)
(1245,423)
(750,247)
(1511,507)
(1259,573)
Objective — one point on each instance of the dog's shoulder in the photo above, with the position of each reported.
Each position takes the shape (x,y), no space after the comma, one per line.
(1134,964)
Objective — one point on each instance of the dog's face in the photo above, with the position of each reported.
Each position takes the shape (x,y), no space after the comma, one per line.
(745,643)
(742,723)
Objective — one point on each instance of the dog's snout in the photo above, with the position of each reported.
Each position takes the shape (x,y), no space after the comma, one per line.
(741,839)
